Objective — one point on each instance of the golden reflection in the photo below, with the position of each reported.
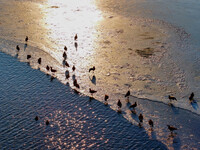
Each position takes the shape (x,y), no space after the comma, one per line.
(65,18)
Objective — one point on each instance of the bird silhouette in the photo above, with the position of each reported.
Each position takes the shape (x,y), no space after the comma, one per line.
(65,48)
(73,68)
(92,69)
(75,37)
(92,91)
(140,117)
(191,98)
(28,56)
(172,98)
(64,55)
(26,39)
(17,47)
(53,70)
(39,60)
(119,104)
(151,123)
(66,64)
(171,128)
(47,122)
(36,118)
(47,67)
(133,105)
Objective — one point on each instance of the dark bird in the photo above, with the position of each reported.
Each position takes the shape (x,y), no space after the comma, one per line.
(151,123)
(171,128)
(17,47)
(127,94)
(119,104)
(172,98)
(66,64)
(140,117)
(133,105)
(76,84)
(53,70)
(36,118)
(75,37)
(106,97)
(26,39)
(47,67)
(28,56)
(191,98)
(39,60)
(92,91)
(65,48)
(73,68)
(47,122)
(92,69)
(67,74)
(64,55)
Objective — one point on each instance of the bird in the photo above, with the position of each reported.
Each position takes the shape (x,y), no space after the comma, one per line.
(75,37)
(76,84)
(171,128)
(28,56)
(66,64)
(39,60)
(73,68)
(92,69)
(17,47)
(133,105)
(36,118)
(191,98)
(64,55)
(65,48)
(53,70)
(106,98)
(172,98)
(47,67)
(26,39)
(140,117)
(127,94)
(151,123)
(47,122)
(92,91)
(119,104)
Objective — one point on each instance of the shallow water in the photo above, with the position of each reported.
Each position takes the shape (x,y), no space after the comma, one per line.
(132,49)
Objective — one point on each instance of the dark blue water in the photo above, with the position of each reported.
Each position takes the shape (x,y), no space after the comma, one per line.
(75,122)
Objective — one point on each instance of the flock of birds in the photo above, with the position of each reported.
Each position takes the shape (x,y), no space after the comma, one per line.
(91,91)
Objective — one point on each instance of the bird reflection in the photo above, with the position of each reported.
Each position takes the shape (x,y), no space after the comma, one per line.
(76,45)
(25,46)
